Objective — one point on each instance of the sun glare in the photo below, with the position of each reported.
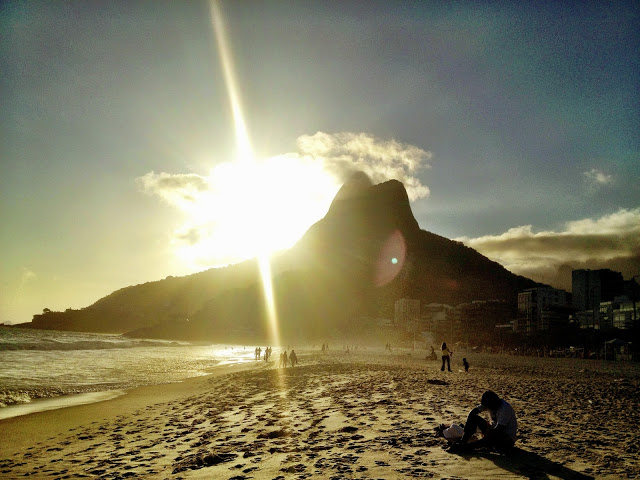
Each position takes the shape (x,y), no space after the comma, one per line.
(255,208)
(242,136)
(252,207)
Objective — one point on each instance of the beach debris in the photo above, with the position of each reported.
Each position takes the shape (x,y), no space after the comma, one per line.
(274,434)
(435,381)
(348,429)
(294,468)
(200,460)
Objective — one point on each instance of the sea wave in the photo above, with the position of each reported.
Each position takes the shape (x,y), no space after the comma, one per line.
(10,397)
(37,365)
(50,345)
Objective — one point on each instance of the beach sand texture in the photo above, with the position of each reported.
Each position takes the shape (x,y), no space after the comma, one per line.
(359,415)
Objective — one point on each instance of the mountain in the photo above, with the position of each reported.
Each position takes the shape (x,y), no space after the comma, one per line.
(367,252)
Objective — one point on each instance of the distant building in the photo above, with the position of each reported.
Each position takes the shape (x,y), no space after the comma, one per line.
(434,315)
(625,315)
(542,308)
(478,320)
(592,287)
(632,289)
(618,314)
(436,319)
(407,313)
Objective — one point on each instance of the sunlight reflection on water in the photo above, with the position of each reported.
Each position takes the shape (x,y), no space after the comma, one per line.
(94,362)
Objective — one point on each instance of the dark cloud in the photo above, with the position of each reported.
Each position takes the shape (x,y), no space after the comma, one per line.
(612,241)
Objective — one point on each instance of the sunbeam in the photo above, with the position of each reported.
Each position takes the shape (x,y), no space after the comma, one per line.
(267,285)
(244,154)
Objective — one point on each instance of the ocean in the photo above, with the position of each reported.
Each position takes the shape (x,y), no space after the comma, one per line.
(45,369)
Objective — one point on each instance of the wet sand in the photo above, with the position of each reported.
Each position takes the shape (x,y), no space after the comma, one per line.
(359,415)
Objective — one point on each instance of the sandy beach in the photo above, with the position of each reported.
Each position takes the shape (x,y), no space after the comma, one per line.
(366,414)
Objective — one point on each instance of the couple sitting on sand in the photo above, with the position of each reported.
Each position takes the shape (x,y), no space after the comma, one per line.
(500,434)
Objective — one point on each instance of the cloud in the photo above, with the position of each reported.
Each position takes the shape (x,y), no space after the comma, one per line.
(612,241)
(598,177)
(26,276)
(280,197)
(176,189)
(346,153)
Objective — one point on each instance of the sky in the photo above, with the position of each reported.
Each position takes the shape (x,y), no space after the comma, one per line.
(142,139)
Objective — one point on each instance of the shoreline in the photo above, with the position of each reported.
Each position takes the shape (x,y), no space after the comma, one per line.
(366,414)
(54,403)
(76,399)
(24,430)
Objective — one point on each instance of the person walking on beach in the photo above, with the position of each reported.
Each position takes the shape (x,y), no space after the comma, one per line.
(285,360)
(499,434)
(446,357)
(293,358)
(465,364)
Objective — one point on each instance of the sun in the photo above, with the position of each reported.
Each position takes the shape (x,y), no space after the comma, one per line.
(254,208)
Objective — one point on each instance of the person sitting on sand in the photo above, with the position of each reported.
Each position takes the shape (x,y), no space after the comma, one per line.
(499,434)
(432,355)
(293,358)
(446,357)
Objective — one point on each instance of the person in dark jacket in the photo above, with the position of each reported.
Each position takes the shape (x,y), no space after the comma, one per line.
(500,433)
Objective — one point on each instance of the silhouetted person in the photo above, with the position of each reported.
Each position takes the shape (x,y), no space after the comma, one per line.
(293,358)
(432,355)
(465,364)
(500,433)
(285,360)
(446,357)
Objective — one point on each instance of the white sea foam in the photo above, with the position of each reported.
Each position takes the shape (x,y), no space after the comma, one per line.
(36,365)
(58,402)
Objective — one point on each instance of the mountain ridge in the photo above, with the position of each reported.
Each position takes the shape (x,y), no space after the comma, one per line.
(366,252)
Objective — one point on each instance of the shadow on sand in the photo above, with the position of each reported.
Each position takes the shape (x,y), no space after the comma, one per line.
(530,465)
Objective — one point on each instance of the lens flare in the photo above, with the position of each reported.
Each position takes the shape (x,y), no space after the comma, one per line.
(391,259)
(244,154)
